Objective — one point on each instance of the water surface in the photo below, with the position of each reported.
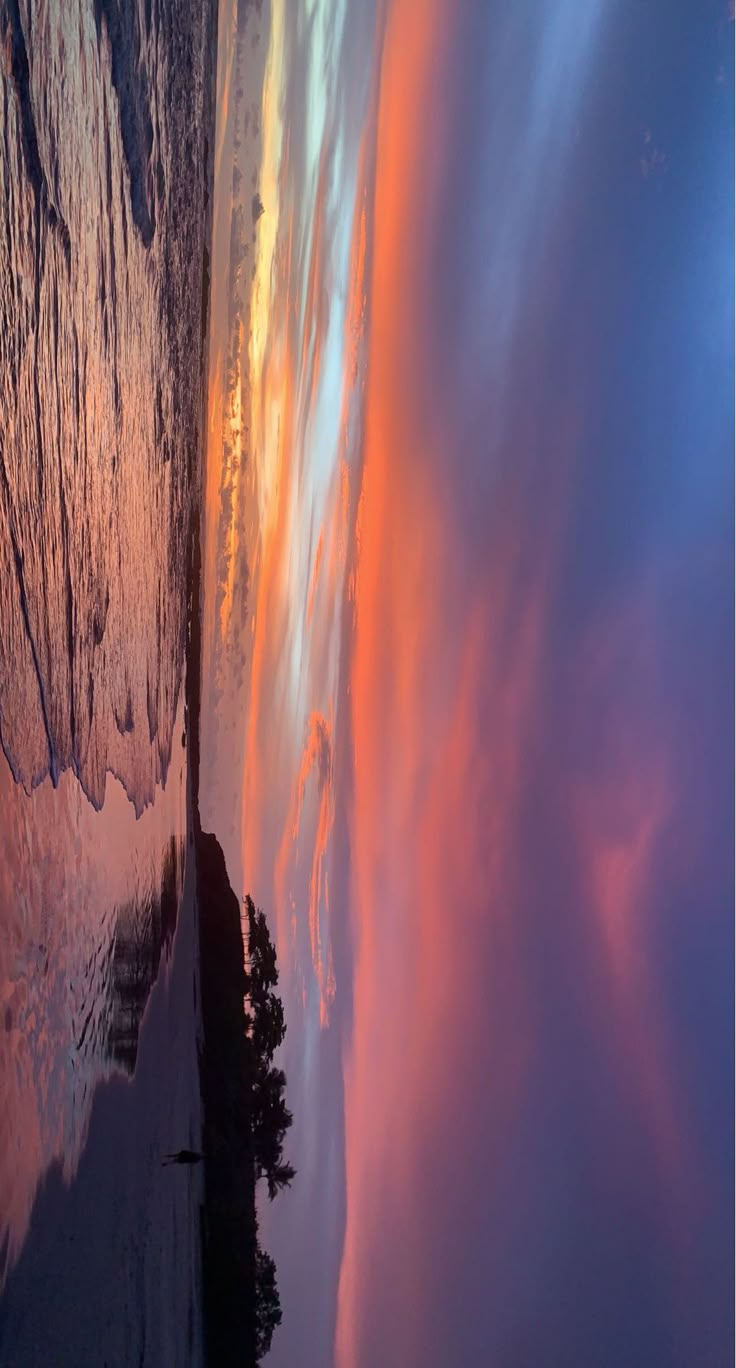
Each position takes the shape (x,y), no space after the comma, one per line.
(105,136)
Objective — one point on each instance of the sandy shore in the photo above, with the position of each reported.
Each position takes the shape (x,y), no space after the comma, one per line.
(111,1271)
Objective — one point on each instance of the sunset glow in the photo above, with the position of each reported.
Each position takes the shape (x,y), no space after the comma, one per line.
(367,646)
(459,796)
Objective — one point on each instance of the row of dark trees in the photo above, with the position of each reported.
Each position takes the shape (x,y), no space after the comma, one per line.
(245,1114)
(270,1117)
(266,1027)
(267,1303)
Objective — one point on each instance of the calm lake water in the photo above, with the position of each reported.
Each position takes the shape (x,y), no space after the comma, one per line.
(106,130)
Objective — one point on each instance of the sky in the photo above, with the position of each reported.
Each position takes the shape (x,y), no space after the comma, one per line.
(473,714)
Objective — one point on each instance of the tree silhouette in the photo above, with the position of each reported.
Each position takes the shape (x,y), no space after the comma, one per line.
(266,1026)
(279,1176)
(271,1119)
(264,972)
(269,1026)
(268,1306)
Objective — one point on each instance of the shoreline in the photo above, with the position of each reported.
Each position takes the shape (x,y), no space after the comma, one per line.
(228,1231)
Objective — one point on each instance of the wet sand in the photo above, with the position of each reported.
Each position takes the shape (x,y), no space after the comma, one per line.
(111,1270)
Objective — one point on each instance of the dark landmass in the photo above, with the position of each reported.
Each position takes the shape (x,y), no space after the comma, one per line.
(245,1114)
(230,1230)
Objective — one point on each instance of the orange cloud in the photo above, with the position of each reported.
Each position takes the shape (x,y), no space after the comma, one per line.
(301,474)
(446,694)
(317,760)
(412,717)
(269,577)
